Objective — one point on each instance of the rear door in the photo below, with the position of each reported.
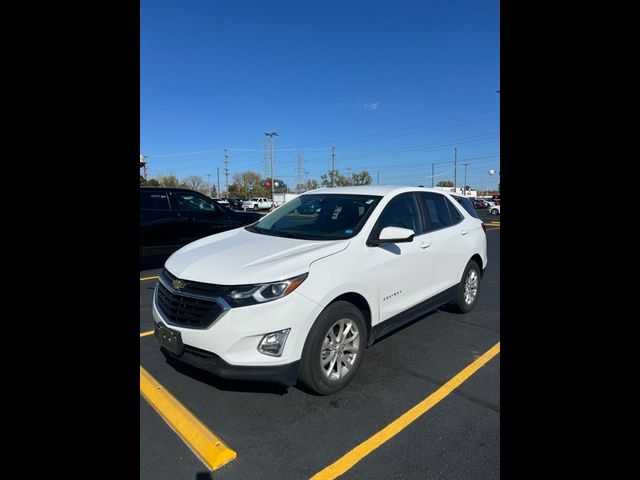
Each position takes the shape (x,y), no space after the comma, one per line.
(159,232)
(451,244)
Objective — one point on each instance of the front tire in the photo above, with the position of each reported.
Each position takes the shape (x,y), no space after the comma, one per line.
(494,211)
(334,349)
(468,288)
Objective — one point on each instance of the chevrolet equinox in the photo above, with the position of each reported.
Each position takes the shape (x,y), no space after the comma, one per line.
(300,294)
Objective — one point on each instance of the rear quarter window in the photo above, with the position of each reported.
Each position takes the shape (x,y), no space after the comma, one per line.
(467,205)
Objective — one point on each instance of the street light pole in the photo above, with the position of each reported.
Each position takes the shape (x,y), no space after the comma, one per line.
(270,135)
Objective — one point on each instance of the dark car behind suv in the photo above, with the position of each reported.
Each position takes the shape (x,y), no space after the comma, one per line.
(172,217)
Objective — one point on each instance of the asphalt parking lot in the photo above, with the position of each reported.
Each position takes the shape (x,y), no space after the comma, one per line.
(285,433)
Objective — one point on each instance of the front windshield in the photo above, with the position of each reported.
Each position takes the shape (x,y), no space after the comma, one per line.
(318,217)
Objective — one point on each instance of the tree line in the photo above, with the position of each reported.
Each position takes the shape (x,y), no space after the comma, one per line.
(249,183)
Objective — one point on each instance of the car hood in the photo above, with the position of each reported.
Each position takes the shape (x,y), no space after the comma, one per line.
(239,257)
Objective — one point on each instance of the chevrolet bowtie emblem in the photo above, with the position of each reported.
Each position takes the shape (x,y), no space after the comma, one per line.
(178,284)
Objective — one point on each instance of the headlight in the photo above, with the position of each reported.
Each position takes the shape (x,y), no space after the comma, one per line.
(264,292)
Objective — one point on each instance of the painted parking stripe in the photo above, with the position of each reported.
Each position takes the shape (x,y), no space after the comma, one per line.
(149,278)
(365,448)
(145,334)
(210,449)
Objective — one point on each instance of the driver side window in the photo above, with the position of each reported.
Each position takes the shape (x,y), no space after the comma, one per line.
(401,212)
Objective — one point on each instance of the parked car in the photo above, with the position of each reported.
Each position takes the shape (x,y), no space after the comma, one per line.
(300,297)
(257,203)
(173,217)
(495,210)
(477,203)
(235,203)
(221,201)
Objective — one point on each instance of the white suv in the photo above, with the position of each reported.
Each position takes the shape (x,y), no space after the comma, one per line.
(258,203)
(300,294)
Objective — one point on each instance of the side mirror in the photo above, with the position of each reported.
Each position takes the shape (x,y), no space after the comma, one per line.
(393,235)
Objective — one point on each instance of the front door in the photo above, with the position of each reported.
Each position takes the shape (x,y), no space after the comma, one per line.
(404,269)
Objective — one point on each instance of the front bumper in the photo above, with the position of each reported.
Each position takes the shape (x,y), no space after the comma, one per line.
(234,337)
(281,374)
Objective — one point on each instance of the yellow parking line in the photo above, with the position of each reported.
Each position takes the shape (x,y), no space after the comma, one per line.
(213,452)
(144,334)
(365,448)
(149,278)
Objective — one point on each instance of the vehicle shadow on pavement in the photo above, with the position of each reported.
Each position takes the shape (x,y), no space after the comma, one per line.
(407,325)
(221,383)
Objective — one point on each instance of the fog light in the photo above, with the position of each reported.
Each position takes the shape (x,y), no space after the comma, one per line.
(273,343)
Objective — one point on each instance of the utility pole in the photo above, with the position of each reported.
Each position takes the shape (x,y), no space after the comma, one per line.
(299,171)
(349,173)
(208,182)
(455,170)
(465,179)
(226,171)
(270,135)
(218,192)
(432,170)
(378,177)
(333,164)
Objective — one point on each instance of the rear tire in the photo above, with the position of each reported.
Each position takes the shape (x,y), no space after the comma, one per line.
(494,211)
(334,349)
(468,288)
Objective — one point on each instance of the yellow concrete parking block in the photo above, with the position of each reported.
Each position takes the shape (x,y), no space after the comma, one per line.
(213,452)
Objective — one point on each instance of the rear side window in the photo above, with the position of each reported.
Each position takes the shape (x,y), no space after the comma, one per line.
(456,216)
(154,201)
(194,203)
(436,210)
(467,205)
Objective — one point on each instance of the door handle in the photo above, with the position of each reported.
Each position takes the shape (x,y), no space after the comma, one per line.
(425,244)
(463,232)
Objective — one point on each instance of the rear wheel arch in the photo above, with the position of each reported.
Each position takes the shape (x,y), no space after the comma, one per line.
(478,259)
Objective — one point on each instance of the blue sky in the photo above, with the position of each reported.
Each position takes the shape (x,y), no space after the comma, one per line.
(394,86)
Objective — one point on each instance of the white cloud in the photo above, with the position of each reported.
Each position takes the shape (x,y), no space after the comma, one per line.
(371,106)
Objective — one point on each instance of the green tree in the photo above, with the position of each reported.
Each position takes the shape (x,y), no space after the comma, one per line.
(361,178)
(167,181)
(242,183)
(153,183)
(309,185)
(338,180)
(445,183)
(214,192)
(143,182)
